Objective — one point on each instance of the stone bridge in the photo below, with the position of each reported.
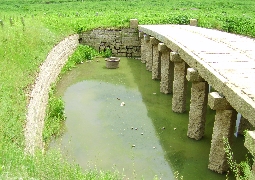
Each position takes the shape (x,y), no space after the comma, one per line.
(207,58)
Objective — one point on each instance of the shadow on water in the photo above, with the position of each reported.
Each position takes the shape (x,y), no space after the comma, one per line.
(100,132)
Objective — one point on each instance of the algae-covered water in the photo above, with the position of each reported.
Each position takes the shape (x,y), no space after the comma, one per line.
(118,120)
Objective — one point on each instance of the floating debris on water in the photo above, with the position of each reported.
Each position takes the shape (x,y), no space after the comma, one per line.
(163,128)
(136,128)
(133,145)
(154,147)
(122,104)
(141,133)
(174,128)
(132,128)
(154,93)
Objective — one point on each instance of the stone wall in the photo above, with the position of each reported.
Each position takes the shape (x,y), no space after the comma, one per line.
(36,110)
(122,42)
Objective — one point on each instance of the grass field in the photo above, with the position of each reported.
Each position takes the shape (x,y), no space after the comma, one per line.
(30,28)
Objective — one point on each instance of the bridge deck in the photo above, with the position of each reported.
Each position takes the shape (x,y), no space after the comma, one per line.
(224,60)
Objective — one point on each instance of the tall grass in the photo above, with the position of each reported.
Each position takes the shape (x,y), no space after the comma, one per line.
(24,46)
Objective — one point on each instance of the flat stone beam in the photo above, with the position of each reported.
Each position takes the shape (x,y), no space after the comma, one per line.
(156,62)
(198,104)
(244,125)
(167,69)
(224,126)
(179,84)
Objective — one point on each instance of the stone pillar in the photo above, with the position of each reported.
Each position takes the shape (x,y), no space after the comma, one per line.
(143,47)
(198,104)
(156,63)
(167,71)
(146,48)
(148,52)
(179,84)
(244,125)
(133,23)
(250,145)
(193,22)
(224,126)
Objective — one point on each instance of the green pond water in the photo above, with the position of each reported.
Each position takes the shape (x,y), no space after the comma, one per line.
(143,138)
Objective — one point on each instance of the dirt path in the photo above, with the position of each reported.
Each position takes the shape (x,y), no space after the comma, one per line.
(48,74)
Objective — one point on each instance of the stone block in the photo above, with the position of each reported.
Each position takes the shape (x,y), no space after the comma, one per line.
(133,23)
(175,57)
(154,41)
(217,102)
(193,22)
(162,47)
(250,142)
(193,75)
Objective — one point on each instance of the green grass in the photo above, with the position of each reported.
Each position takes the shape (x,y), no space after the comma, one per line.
(24,46)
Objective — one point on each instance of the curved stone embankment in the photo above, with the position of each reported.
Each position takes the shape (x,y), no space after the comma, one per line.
(36,110)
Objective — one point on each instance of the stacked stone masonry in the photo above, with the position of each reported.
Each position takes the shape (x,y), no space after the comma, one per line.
(122,42)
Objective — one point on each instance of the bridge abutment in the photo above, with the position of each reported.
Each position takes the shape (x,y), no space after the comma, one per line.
(179,83)
(198,104)
(224,127)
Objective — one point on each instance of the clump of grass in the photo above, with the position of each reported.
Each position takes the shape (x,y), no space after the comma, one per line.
(81,54)
(242,170)
(55,117)
(107,53)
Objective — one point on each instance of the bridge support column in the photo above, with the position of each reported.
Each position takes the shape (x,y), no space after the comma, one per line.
(224,126)
(198,104)
(143,47)
(244,125)
(156,63)
(144,42)
(148,52)
(250,145)
(167,71)
(179,84)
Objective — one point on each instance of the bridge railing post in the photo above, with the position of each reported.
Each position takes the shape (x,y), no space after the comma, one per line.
(224,126)
(198,104)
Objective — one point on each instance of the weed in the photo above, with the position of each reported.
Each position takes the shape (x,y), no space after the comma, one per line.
(242,170)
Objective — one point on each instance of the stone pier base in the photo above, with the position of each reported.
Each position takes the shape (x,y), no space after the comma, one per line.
(198,105)
(224,126)
(167,71)
(179,84)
